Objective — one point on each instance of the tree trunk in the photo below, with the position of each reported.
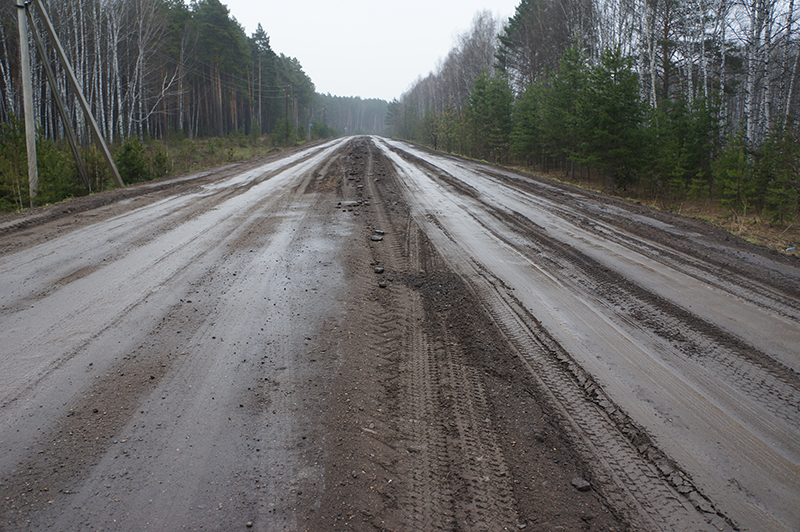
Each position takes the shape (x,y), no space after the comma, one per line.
(755,52)
(220,109)
(767,92)
(665,53)
(790,92)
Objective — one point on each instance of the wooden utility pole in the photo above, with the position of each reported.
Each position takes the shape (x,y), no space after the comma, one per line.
(62,109)
(27,97)
(62,56)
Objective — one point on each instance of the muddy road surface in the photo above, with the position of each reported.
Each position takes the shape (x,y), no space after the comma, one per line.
(364,335)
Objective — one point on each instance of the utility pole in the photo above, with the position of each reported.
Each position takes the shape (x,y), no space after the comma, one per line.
(51,78)
(27,97)
(62,56)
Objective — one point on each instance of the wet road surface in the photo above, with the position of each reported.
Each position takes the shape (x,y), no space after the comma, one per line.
(363,334)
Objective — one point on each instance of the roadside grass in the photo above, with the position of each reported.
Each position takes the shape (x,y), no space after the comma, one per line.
(136,161)
(750,227)
(753,228)
(187,156)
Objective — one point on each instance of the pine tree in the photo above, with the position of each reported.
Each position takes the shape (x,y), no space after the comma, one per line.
(527,135)
(664,161)
(490,111)
(778,174)
(560,111)
(224,50)
(611,119)
(733,172)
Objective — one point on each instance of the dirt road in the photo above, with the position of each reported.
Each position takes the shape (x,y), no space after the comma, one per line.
(364,335)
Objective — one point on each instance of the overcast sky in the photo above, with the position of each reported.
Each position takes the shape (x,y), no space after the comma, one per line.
(367,48)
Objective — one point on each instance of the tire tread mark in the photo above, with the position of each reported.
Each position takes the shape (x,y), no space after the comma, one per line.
(631,470)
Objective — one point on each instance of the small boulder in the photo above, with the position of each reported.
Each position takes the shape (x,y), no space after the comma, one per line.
(580,484)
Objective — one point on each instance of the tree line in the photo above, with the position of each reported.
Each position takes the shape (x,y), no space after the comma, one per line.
(162,69)
(679,98)
(351,115)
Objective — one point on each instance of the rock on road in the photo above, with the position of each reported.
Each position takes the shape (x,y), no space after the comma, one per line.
(365,335)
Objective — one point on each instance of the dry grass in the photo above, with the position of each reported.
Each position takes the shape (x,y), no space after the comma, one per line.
(751,227)
(188,156)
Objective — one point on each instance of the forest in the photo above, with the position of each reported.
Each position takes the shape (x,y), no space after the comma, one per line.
(157,74)
(661,100)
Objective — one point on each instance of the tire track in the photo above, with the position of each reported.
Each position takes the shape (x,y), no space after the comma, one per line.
(620,458)
(613,222)
(635,477)
(459,480)
(428,500)
(685,339)
(488,504)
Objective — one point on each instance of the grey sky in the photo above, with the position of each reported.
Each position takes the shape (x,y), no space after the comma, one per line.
(367,48)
